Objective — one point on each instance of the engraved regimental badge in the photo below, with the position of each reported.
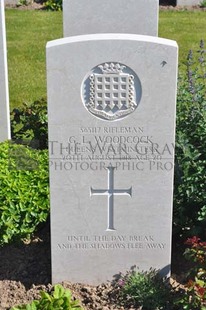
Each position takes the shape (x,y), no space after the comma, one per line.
(111,91)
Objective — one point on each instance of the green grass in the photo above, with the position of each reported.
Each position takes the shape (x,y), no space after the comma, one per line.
(28,32)
(27,35)
(185,27)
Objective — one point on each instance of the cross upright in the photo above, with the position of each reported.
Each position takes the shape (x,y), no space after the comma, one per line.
(110,192)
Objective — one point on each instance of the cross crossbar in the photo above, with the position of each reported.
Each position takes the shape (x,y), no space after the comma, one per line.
(110,192)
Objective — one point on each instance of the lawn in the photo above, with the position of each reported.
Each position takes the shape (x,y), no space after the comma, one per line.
(27,35)
(185,27)
(28,32)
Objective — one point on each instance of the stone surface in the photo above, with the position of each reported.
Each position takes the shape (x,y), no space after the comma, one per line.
(4,93)
(106,16)
(188,2)
(111,154)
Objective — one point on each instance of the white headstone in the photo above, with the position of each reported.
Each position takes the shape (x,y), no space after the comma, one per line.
(4,93)
(106,16)
(188,2)
(111,104)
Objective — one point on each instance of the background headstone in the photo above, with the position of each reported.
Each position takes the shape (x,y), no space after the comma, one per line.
(188,2)
(4,93)
(106,16)
(111,132)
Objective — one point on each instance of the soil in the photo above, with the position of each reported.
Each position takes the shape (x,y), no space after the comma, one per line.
(25,270)
(32,6)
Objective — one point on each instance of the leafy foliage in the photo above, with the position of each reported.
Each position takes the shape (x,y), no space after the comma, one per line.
(190,177)
(29,122)
(203,4)
(196,253)
(146,289)
(24,195)
(60,299)
(195,296)
(23,2)
(54,5)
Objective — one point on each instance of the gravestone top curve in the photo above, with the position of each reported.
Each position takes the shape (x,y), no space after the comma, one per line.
(111,36)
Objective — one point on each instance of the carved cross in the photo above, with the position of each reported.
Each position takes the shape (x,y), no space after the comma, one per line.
(110,192)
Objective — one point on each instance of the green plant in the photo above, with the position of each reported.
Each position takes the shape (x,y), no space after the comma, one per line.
(145,289)
(23,2)
(29,122)
(196,253)
(195,296)
(24,195)
(203,4)
(60,299)
(190,177)
(54,5)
